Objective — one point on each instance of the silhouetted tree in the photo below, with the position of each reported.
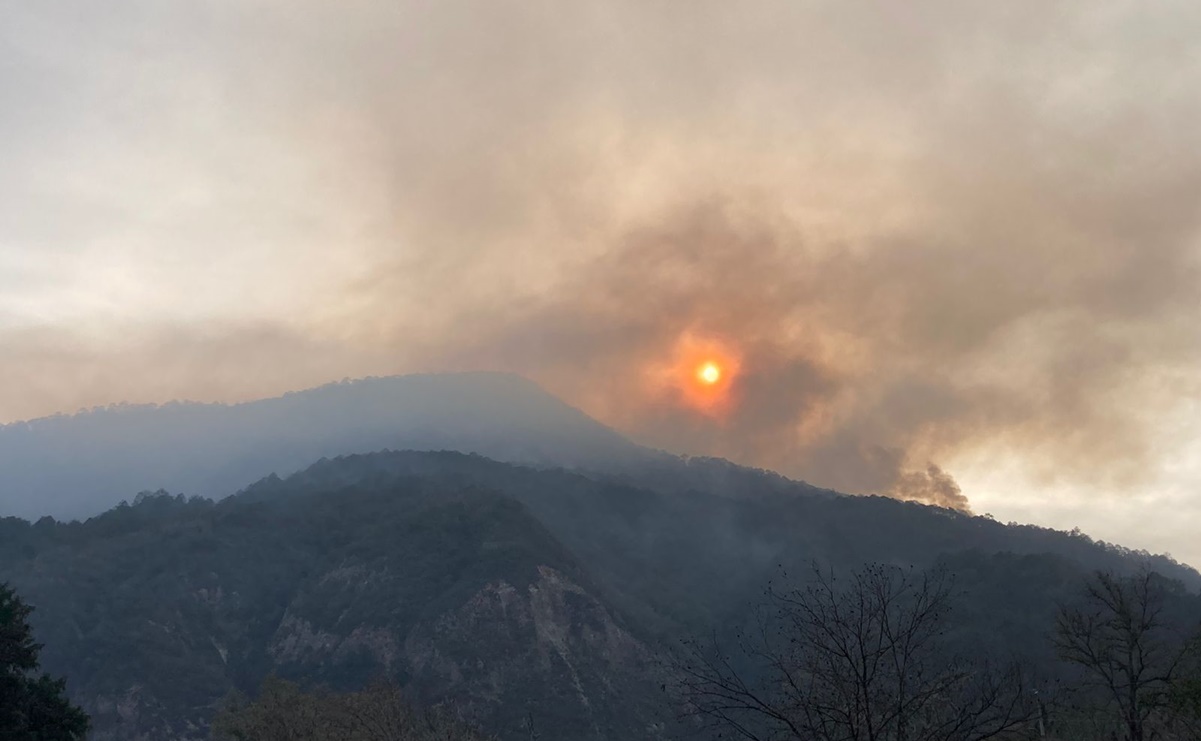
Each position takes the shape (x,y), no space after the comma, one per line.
(33,706)
(1128,648)
(855,661)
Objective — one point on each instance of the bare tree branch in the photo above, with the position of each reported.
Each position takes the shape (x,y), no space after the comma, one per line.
(858,660)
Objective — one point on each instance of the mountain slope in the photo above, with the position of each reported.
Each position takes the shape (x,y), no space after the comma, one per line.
(80,465)
(507,589)
(684,550)
(155,611)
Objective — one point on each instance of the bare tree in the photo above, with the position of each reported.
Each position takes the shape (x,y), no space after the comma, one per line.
(1129,650)
(860,661)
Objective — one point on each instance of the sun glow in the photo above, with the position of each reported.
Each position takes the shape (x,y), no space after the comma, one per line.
(700,372)
(709,373)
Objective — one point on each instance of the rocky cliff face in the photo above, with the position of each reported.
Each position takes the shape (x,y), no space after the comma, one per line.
(546,650)
(549,651)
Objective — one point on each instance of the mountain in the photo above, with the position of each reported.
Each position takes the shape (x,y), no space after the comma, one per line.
(80,465)
(509,590)
(694,551)
(156,610)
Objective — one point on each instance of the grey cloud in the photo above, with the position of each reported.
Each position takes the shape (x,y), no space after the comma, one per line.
(927,227)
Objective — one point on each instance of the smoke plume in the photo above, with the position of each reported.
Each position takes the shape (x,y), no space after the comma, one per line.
(929,230)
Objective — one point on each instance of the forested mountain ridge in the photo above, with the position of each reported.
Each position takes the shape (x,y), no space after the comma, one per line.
(69,466)
(155,611)
(509,590)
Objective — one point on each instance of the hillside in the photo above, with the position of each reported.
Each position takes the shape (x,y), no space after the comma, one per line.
(76,466)
(509,590)
(157,610)
(80,465)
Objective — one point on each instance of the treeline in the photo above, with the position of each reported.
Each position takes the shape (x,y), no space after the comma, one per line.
(867,657)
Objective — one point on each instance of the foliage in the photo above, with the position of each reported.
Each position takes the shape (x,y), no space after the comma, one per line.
(1185,703)
(284,712)
(33,706)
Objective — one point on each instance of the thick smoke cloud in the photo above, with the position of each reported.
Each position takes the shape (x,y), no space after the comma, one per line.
(930,230)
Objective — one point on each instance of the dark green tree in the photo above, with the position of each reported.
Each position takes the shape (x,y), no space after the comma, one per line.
(33,706)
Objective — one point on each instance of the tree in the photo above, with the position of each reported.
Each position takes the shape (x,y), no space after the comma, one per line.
(860,662)
(380,712)
(1186,705)
(1128,648)
(33,706)
(282,712)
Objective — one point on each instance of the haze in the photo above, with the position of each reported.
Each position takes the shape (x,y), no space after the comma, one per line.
(954,246)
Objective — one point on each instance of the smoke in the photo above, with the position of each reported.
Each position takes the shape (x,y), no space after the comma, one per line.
(927,229)
(934,486)
(46,371)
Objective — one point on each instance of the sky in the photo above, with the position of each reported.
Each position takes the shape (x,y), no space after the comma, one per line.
(943,250)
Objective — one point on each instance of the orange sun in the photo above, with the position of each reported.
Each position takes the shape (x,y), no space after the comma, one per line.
(700,373)
(708,373)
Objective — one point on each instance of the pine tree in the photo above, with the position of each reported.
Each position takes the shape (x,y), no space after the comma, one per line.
(33,706)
